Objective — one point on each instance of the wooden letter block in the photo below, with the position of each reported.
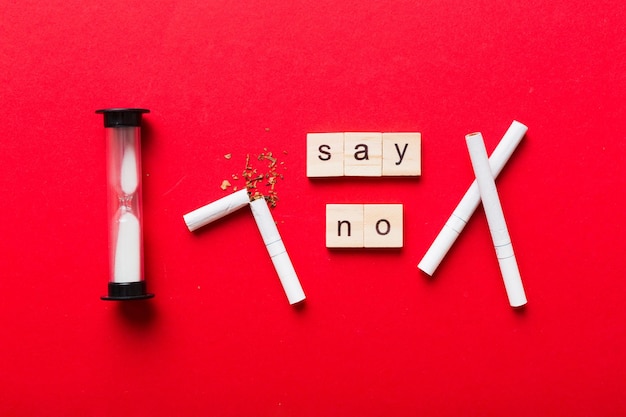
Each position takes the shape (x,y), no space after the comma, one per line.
(344,225)
(363,153)
(383,225)
(324,155)
(402,154)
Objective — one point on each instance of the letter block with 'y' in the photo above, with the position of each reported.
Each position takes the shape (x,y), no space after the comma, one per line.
(402,154)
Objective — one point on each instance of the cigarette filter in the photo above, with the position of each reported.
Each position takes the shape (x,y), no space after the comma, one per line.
(216,210)
(468,204)
(277,251)
(123,137)
(495,218)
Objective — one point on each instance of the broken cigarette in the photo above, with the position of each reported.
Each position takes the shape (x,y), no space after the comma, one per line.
(276,249)
(216,210)
(470,201)
(495,219)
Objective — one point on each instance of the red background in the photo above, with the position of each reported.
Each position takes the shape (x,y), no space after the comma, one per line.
(376,337)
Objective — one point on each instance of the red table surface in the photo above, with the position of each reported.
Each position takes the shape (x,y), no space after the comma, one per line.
(375,337)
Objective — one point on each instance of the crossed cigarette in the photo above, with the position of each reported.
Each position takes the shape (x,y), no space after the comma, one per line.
(484,189)
(267,227)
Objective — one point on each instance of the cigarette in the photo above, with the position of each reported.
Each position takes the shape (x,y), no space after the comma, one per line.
(127,263)
(277,251)
(216,210)
(495,219)
(470,201)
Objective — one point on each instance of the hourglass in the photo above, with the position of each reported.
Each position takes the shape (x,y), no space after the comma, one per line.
(123,148)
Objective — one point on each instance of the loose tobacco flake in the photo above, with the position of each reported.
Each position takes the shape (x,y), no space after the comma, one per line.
(257,188)
(225,184)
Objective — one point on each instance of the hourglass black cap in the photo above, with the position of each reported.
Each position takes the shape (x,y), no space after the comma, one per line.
(118,117)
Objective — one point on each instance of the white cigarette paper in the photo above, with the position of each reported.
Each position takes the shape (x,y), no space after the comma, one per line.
(127,265)
(277,251)
(470,201)
(216,210)
(495,219)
